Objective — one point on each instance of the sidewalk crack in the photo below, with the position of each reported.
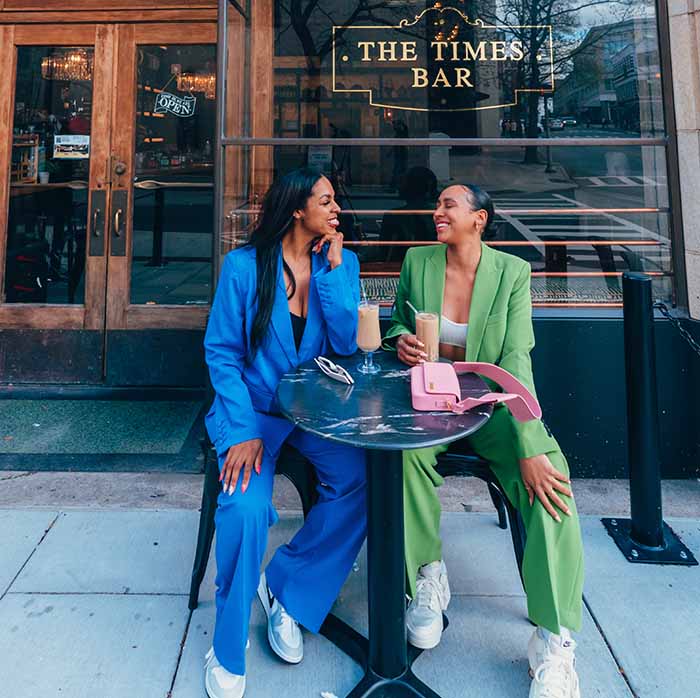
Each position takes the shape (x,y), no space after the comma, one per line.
(26,562)
(16,476)
(618,664)
(179,655)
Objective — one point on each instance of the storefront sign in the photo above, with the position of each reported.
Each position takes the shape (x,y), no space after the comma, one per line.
(71,147)
(441,60)
(172,104)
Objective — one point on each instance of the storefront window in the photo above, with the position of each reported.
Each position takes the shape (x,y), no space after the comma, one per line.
(580,212)
(49,175)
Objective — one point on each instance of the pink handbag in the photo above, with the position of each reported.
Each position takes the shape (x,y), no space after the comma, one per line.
(435,387)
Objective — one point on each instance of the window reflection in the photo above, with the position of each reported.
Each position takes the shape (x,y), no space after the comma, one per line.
(525,68)
(173,188)
(49,175)
(600,212)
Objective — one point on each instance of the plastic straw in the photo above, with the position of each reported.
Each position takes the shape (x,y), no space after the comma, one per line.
(410,305)
(362,291)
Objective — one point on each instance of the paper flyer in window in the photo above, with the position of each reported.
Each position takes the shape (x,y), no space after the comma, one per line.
(71,147)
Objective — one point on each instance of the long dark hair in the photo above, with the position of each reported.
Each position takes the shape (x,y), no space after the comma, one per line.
(286,195)
(479,199)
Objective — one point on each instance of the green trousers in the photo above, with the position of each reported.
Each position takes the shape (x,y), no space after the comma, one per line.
(553,559)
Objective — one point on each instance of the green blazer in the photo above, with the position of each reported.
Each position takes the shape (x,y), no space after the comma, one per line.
(500,320)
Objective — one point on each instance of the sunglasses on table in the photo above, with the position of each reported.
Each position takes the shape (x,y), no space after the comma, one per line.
(333,371)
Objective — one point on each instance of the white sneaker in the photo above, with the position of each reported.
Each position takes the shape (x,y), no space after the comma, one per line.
(424,615)
(283,632)
(219,682)
(552,666)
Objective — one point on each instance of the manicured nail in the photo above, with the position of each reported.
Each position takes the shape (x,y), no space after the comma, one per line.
(558,519)
(568,513)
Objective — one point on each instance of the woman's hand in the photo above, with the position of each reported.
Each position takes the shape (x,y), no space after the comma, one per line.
(410,350)
(335,248)
(541,478)
(246,455)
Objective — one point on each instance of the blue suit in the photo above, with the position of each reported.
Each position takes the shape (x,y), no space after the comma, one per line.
(306,574)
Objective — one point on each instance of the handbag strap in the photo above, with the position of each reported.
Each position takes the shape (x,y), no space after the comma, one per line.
(522,404)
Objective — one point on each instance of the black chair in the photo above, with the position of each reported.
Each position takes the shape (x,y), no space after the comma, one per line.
(302,475)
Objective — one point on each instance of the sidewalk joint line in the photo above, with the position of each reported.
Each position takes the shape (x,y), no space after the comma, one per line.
(618,664)
(26,562)
(179,654)
(96,593)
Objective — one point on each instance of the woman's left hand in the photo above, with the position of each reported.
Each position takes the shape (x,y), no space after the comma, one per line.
(335,248)
(541,478)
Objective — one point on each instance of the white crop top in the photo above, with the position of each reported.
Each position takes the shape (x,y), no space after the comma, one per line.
(453,333)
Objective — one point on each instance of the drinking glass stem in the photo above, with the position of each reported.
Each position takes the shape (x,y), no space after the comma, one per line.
(368,360)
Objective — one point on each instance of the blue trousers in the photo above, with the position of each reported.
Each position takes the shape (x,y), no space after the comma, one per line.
(306,574)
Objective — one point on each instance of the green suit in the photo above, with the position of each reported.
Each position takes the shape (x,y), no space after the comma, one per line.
(500,332)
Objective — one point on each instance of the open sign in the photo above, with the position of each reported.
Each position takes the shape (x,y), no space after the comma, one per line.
(179,106)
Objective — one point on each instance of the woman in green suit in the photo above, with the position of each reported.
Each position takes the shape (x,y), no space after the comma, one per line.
(483,299)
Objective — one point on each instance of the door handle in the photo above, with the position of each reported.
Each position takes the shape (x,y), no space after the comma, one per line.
(117,222)
(118,212)
(98,210)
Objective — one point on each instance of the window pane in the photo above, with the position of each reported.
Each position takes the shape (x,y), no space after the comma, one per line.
(509,69)
(174,184)
(596,214)
(49,175)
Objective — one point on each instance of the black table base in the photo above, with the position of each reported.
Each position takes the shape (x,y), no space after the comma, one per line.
(386,657)
(356,646)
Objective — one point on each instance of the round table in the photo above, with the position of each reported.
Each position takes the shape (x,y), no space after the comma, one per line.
(376,414)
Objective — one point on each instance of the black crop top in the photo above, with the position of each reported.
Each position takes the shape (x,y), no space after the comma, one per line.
(298,325)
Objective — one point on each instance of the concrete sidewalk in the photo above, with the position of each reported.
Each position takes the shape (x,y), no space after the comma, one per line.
(93,602)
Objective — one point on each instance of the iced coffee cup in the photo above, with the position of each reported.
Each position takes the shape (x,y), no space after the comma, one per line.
(428,332)
(369,337)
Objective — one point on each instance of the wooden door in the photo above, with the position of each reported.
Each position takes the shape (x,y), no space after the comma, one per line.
(162,149)
(75,179)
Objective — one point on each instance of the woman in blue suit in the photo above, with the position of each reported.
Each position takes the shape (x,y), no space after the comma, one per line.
(287,296)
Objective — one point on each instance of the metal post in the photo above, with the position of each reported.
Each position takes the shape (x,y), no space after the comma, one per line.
(645,537)
(642,411)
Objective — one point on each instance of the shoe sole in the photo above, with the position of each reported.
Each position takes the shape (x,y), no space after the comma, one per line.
(422,643)
(262,596)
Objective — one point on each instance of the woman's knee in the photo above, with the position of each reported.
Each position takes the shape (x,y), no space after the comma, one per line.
(243,508)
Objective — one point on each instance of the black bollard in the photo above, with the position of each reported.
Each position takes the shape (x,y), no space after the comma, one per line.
(642,412)
(645,537)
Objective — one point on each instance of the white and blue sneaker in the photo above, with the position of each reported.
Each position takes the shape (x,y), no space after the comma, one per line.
(552,665)
(283,632)
(219,682)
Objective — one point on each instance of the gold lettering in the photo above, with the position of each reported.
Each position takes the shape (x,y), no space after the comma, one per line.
(408,51)
(498,49)
(517,53)
(462,77)
(420,77)
(472,54)
(365,46)
(441,79)
(384,51)
(439,45)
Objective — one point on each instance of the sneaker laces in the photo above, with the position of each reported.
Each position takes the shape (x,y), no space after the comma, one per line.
(428,593)
(555,675)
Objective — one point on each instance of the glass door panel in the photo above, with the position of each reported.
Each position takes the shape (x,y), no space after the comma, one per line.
(173,196)
(49,175)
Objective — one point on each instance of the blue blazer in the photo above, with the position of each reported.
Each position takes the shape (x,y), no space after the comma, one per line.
(245,392)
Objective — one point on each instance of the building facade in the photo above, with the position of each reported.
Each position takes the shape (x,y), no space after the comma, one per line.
(136,141)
